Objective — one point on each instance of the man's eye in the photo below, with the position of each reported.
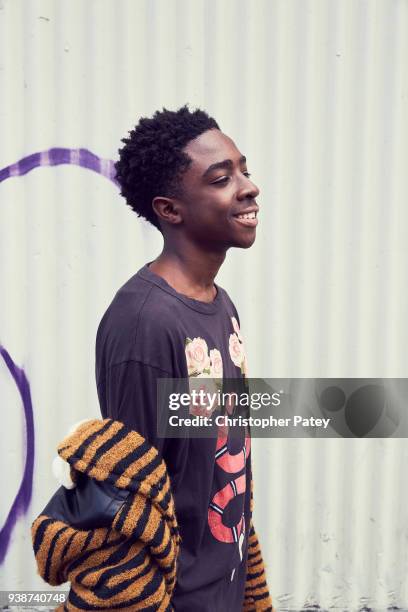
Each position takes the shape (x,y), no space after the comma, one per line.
(246,173)
(222,180)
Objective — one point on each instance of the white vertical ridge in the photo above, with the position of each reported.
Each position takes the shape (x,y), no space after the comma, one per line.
(341,126)
(311,223)
(394,280)
(365,215)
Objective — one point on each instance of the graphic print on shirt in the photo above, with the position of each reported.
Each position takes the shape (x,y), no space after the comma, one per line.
(237,349)
(203,364)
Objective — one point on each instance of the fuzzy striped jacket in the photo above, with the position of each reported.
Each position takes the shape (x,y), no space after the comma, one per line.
(123,555)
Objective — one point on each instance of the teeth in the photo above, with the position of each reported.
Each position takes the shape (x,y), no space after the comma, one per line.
(251,215)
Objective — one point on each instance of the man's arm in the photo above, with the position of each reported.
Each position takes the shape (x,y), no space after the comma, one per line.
(129,394)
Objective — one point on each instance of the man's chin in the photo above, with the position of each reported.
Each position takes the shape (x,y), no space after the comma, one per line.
(245,244)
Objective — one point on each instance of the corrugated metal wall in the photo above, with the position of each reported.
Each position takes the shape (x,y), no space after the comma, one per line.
(315,93)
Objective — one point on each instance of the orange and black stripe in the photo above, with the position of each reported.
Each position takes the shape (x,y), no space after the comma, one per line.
(257,598)
(130,565)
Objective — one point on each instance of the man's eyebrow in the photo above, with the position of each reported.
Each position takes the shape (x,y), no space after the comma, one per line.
(226,163)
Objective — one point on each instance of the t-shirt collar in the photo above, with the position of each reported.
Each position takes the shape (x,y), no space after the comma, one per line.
(204,307)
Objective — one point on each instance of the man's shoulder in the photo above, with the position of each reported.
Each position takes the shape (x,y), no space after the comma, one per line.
(140,324)
(139,307)
(139,295)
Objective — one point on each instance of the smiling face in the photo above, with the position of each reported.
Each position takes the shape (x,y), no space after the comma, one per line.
(217,207)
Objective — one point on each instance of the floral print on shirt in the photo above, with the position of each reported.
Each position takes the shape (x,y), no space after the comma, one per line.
(237,348)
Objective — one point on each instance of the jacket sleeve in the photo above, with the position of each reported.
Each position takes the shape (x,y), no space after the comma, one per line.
(114,536)
(257,598)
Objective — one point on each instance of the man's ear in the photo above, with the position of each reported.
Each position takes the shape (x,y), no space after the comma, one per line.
(167,209)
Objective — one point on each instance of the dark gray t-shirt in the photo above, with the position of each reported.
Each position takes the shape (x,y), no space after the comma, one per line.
(149,332)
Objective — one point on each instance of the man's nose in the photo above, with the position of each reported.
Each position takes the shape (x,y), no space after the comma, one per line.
(248,190)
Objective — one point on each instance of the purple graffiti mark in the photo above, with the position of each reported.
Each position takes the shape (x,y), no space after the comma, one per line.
(50,157)
(22,500)
(58,156)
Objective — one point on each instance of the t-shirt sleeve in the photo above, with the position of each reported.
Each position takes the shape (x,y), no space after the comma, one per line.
(129,394)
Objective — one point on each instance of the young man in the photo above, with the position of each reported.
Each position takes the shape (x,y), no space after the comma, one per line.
(170,320)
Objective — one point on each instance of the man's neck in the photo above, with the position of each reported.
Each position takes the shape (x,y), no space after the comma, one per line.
(190,273)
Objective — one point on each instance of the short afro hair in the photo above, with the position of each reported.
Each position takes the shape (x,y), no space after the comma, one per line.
(152,161)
